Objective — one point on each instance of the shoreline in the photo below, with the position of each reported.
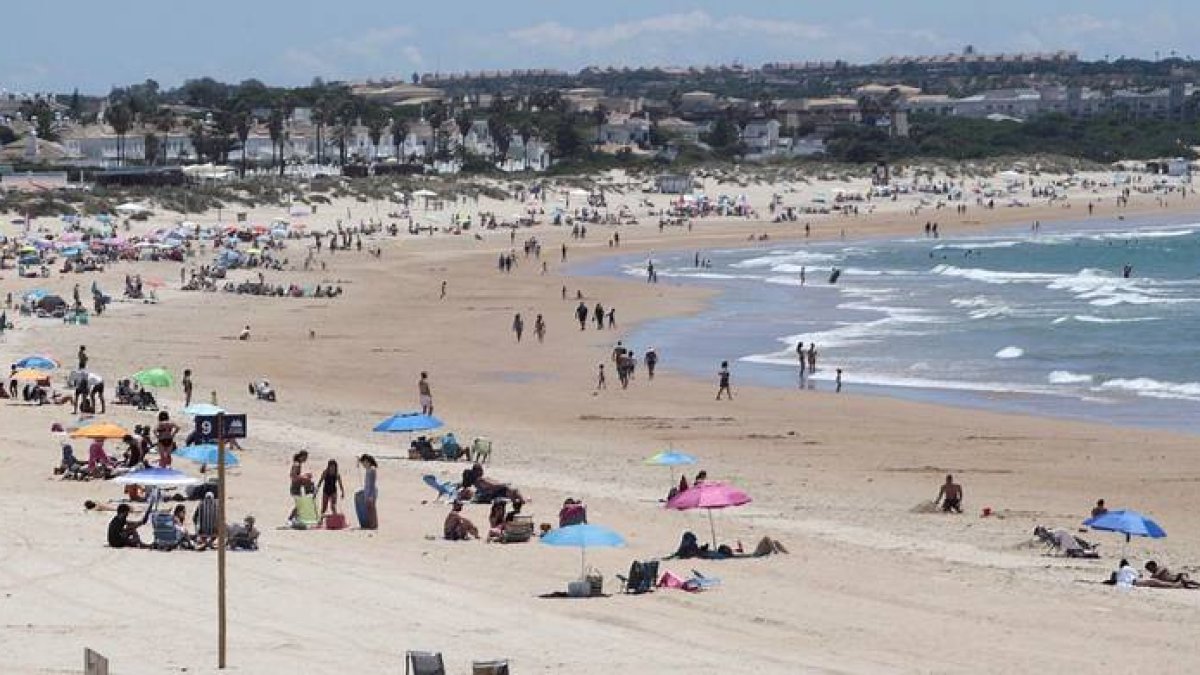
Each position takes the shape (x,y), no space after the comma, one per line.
(834,476)
(1024,400)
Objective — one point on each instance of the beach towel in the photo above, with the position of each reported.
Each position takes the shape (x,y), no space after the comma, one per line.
(306,512)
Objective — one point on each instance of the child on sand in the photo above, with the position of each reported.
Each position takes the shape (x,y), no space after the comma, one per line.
(330,485)
(723,381)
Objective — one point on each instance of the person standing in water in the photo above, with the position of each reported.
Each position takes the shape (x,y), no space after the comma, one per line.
(838,380)
(812,358)
(723,381)
(800,357)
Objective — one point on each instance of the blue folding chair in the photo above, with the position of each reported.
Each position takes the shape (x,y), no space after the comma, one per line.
(445,489)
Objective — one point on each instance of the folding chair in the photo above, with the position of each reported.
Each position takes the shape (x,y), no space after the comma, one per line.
(424,663)
(496,667)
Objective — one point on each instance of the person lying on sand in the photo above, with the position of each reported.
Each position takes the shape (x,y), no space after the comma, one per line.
(1163,574)
(1126,576)
(457,527)
(689,548)
(485,489)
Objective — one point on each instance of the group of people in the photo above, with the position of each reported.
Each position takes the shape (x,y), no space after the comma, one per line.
(331,488)
(624,360)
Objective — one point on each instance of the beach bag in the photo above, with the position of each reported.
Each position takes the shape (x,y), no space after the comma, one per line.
(86,407)
(335,521)
(595,582)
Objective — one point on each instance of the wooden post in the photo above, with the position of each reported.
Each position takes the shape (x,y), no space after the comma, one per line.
(221,541)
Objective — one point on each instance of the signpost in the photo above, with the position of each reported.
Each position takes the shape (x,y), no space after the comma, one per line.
(220,427)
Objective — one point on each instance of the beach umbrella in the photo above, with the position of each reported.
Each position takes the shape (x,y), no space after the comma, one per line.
(100,430)
(1128,523)
(583,537)
(206,453)
(203,409)
(709,496)
(670,459)
(35,294)
(37,363)
(408,422)
(30,375)
(154,377)
(157,477)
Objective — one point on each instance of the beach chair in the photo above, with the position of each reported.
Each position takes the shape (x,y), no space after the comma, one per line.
(445,489)
(306,512)
(205,519)
(496,667)
(424,663)
(166,537)
(481,450)
(642,578)
(518,530)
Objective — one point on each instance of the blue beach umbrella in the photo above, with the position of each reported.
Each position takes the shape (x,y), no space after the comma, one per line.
(408,422)
(206,453)
(583,537)
(1128,523)
(203,409)
(671,458)
(35,294)
(37,363)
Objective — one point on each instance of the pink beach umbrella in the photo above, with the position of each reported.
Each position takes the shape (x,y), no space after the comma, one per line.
(709,496)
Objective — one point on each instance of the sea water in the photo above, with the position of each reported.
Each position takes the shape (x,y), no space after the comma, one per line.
(1043,322)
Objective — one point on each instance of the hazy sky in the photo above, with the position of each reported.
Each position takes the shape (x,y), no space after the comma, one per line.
(95,45)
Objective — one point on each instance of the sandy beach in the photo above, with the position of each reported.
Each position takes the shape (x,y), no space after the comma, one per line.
(872,584)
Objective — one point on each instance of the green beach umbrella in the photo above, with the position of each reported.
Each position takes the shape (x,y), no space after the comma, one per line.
(154,377)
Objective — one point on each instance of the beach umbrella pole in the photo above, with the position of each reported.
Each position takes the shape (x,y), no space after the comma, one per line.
(221,541)
(713,528)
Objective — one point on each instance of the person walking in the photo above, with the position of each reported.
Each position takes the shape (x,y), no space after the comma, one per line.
(425,394)
(723,381)
(601,381)
(187,388)
(598,315)
(83,357)
(443,295)
(539,328)
(518,326)
(612,318)
(581,313)
(651,361)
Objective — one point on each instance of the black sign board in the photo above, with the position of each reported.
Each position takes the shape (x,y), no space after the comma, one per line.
(234,426)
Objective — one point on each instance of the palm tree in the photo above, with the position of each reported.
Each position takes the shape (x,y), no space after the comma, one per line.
(242,123)
(276,130)
(120,118)
(376,121)
(399,133)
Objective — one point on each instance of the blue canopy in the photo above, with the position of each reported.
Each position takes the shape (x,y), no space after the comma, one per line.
(408,422)
(206,453)
(1129,523)
(37,363)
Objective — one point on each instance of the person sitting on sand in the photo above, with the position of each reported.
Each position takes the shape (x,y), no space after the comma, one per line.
(99,464)
(242,536)
(245,334)
(179,519)
(122,533)
(950,495)
(496,519)
(1163,574)
(457,527)
(1099,509)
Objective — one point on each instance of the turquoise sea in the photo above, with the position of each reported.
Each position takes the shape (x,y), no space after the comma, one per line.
(1044,322)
